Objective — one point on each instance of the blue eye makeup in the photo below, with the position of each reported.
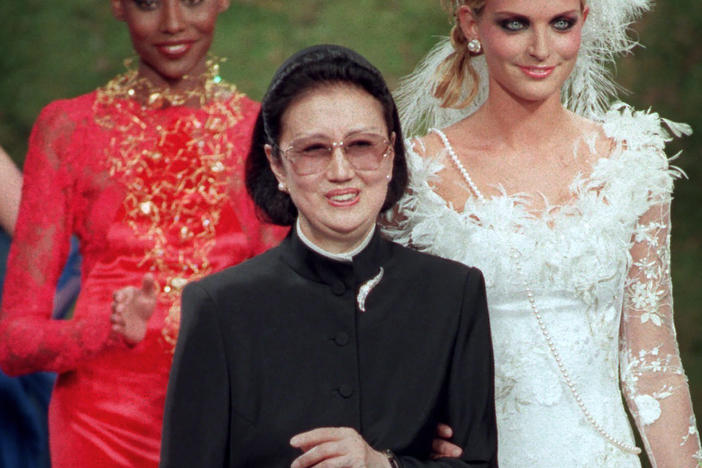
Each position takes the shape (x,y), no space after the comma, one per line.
(563,23)
(513,24)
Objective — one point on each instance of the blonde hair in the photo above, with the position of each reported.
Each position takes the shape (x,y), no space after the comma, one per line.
(457,68)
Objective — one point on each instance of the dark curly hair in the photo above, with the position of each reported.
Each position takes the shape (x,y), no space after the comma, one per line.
(306,70)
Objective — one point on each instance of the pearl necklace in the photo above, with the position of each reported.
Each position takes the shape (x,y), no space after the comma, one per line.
(537,314)
(564,372)
(457,162)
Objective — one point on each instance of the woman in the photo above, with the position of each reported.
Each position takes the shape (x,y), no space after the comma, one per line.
(569,219)
(24,400)
(148,173)
(338,343)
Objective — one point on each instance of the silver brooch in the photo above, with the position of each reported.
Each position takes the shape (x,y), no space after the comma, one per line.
(366,289)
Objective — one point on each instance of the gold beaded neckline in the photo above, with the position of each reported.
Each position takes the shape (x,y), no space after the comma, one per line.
(176,167)
(204,89)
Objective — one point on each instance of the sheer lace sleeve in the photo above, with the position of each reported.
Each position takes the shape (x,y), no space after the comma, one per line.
(29,339)
(654,382)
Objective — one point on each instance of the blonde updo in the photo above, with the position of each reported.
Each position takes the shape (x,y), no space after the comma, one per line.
(456,71)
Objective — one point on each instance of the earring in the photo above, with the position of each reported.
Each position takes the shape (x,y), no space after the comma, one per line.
(282,187)
(474,46)
(388,177)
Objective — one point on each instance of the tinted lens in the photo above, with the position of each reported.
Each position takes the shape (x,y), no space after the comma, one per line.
(309,156)
(365,151)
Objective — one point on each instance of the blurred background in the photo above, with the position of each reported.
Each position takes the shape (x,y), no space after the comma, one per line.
(61,49)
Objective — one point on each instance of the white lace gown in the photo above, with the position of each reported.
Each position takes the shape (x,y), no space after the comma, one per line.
(599,271)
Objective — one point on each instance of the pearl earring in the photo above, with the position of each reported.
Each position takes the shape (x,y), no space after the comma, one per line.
(474,46)
(388,177)
(282,187)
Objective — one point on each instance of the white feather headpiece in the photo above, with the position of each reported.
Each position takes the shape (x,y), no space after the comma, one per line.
(588,91)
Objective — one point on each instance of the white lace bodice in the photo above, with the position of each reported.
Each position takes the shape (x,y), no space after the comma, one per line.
(599,269)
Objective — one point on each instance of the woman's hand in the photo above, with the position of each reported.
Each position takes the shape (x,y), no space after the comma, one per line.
(441,447)
(132,308)
(338,447)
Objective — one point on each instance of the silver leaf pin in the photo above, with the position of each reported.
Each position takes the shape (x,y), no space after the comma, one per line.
(366,289)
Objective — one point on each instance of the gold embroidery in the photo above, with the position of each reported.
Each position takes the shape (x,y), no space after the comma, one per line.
(173,167)
(205,88)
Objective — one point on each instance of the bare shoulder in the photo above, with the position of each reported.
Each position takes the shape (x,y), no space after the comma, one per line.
(593,135)
(460,136)
(426,146)
(450,145)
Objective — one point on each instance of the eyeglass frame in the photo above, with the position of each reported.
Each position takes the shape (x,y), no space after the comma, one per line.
(389,142)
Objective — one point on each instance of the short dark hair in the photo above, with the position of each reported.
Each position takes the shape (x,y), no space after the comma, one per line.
(310,68)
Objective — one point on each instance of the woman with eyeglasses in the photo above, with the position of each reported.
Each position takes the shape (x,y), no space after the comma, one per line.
(339,347)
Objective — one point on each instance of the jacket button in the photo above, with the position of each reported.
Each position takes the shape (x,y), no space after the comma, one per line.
(341,339)
(345,391)
(338,288)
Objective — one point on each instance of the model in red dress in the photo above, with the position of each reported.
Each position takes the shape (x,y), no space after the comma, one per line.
(150,179)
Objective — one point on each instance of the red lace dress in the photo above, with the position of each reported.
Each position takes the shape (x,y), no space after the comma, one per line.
(146,189)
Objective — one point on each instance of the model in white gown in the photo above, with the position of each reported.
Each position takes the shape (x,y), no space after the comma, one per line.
(579,289)
(598,268)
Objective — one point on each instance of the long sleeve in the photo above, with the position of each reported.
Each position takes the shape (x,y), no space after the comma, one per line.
(195,427)
(471,395)
(653,378)
(29,339)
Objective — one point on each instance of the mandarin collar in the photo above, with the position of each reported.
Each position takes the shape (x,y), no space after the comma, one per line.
(315,267)
(342,257)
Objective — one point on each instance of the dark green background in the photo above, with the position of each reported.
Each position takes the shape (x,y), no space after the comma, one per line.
(54,49)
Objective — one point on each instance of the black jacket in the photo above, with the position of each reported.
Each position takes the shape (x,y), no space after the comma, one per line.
(278,345)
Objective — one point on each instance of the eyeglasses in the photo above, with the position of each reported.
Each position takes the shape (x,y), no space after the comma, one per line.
(311,155)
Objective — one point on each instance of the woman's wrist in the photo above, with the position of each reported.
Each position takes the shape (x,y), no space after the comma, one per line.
(391,460)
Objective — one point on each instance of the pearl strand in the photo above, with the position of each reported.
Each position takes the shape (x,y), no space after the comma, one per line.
(564,372)
(457,162)
(542,326)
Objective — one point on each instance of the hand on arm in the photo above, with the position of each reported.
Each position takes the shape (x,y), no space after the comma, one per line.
(339,447)
(471,407)
(132,308)
(441,446)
